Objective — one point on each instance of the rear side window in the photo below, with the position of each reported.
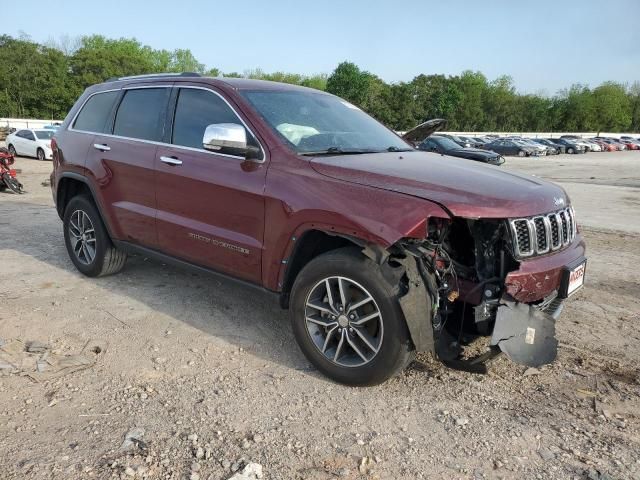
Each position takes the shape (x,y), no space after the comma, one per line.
(195,110)
(95,113)
(141,114)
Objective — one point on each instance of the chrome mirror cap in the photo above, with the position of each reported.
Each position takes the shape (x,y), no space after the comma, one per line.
(222,137)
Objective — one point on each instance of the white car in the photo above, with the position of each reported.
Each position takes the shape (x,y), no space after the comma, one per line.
(593,146)
(31,143)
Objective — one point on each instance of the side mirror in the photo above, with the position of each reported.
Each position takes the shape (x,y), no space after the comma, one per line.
(230,139)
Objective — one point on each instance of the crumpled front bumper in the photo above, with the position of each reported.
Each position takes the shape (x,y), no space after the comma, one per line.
(524,330)
(539,277)
(526,334)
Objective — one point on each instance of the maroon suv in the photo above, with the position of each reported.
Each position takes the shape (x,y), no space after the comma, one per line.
(378,250)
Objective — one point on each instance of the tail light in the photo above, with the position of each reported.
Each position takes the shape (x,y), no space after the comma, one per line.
(12,172)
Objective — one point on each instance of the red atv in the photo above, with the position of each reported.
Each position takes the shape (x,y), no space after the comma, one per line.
(8,175)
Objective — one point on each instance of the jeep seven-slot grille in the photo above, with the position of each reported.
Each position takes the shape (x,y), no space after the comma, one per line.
(544,233)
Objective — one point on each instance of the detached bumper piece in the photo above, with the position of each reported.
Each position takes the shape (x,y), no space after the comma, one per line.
(526,334)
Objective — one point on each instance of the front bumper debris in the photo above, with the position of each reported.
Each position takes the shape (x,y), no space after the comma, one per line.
(526,334)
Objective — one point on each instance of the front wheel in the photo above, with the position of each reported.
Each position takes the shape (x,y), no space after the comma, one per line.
(40,154)
(347,320)
(87,240)
(570,150)
(14,185)
(521,153)
(12,151)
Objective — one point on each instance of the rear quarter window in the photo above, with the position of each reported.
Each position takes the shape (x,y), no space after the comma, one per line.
(95,112)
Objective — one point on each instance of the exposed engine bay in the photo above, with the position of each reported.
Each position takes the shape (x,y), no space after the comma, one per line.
(462,265)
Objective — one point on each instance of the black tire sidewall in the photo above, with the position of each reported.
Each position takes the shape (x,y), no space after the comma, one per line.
(103,242)
(352,264)
(11,183)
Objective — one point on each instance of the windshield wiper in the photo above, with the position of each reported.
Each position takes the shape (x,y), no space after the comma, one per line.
(393,148)
(337,151)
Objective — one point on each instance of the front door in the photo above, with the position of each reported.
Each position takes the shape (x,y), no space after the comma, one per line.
(210,206)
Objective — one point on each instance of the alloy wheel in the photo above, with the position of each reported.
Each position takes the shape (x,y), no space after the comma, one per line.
(344,321)
(40,154)
(83,237)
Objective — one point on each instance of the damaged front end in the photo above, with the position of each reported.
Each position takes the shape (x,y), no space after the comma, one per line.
(479,297)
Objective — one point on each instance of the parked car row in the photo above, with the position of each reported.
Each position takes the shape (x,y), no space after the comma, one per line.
(526,147)
(492,148)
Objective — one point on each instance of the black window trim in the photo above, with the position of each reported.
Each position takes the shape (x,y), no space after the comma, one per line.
(71,128)
(111,121)
(171,104)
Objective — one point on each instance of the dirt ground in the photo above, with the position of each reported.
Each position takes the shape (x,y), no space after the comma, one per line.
(204,376)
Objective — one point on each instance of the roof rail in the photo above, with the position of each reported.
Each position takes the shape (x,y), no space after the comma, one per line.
(155,75)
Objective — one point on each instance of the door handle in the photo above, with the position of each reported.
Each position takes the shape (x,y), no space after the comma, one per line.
(102,147)
(171,161)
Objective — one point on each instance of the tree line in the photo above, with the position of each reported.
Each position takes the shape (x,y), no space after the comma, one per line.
(43,81)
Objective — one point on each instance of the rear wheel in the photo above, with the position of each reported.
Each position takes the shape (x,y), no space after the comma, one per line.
(347,320)
(87,241)
(40,154)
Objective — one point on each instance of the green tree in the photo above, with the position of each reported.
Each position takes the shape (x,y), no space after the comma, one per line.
(100,58)
(577,109)
(35,80)
(469,116)
(434,96)
(634,104)
(612,108)
(349,82)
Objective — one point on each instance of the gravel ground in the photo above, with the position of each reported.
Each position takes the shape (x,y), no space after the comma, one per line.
(203,376)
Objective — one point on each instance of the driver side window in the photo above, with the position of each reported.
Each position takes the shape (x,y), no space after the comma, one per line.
(195,110)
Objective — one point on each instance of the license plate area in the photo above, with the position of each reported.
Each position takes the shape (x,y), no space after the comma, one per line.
(573,278)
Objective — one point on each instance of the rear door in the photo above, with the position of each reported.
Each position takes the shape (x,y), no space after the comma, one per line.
(123,162)
(210,205)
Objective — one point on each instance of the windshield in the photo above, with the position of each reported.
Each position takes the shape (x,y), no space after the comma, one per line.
(44,134)
(446,143)
(315,122)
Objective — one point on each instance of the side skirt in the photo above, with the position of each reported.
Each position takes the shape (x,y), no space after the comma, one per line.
(134,249)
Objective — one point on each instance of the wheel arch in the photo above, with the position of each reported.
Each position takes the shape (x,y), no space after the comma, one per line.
(72,184)
(308,245)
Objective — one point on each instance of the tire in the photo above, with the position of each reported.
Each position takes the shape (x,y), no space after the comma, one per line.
(40,155)
(387,332)
(570,150)
(521,153)
(13,184)
(12,151)
(106,258)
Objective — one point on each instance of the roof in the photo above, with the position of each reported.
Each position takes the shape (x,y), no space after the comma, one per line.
(235,83)
(252,84)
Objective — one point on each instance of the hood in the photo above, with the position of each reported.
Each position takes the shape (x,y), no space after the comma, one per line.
(422,131)
(476,152)
(466,189)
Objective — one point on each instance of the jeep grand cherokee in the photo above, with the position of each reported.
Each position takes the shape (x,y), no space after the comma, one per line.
(378,250)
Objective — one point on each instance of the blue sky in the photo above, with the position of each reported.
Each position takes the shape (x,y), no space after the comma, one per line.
(544,45)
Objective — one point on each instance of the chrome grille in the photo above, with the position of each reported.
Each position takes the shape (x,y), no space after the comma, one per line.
(544,233)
